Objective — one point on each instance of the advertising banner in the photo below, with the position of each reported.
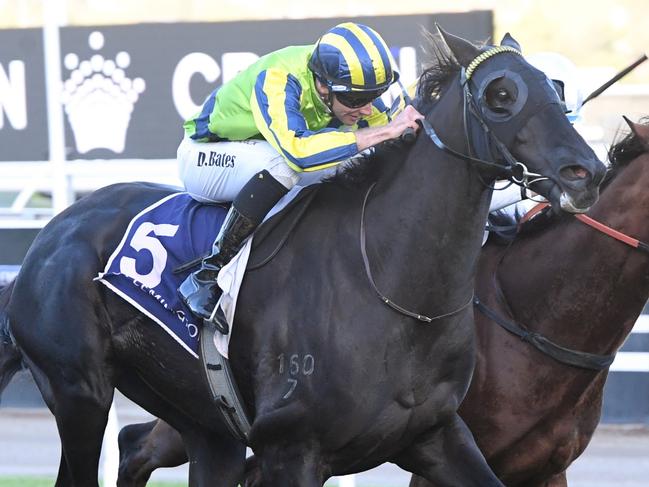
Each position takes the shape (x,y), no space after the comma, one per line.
(126,89)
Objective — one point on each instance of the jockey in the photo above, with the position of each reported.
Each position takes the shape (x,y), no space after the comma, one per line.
(564,76)
(295,110)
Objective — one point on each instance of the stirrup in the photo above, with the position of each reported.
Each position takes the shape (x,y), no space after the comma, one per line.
(218,320)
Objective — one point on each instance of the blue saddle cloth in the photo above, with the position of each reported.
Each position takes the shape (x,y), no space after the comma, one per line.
(161,238)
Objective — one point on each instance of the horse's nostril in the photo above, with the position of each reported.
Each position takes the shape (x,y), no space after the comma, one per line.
(574,173)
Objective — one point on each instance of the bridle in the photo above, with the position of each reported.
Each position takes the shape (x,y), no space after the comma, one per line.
(591,222)
(513,169)
(574,358)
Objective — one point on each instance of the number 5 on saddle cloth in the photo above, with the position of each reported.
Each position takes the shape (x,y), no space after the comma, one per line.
(162,245)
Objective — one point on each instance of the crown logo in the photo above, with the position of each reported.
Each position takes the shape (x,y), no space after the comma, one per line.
(99,98)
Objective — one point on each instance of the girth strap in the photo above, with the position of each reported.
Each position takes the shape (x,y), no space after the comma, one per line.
(582,360)
(222,385)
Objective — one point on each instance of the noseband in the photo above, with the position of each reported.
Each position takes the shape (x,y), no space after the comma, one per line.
(513,170)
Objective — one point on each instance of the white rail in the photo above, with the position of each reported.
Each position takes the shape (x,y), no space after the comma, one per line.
(25,179)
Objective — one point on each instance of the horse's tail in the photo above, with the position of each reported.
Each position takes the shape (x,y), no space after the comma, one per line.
(10,358)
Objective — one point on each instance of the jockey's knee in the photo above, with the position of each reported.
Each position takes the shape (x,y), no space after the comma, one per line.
(282,172)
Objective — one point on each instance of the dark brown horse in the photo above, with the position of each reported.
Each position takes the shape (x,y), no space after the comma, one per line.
(531,415)
(368,383)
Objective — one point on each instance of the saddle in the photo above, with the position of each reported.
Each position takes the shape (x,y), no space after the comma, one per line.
(273,233)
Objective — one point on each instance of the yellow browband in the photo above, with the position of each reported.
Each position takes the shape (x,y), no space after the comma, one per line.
(486,55)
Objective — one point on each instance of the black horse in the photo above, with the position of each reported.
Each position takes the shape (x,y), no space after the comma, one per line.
(559,260)
(335,381)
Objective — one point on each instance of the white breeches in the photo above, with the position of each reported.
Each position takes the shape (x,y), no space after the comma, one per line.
(506,199)
(216,171)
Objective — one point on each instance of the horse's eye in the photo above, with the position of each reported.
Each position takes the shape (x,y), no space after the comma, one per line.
(500,97)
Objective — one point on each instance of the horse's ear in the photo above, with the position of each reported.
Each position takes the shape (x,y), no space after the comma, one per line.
(462,50)
(509,41)
(640,130)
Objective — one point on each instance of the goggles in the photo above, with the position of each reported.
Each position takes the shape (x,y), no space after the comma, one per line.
(357,99)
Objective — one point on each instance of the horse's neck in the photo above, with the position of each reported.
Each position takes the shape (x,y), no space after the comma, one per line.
(594,285)
(428,223)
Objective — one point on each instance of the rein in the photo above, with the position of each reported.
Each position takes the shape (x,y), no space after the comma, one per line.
(382,297)
(514,170)
(583,360)
(599,226)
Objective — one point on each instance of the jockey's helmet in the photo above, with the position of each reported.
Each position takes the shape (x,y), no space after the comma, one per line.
(565,79)
(354,62)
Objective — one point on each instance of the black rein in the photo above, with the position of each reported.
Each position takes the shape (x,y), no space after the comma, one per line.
(582,360)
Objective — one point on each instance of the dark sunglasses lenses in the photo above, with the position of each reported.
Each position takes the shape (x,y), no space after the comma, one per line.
(356,99)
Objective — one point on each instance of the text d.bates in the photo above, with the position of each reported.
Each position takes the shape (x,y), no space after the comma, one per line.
(215,159)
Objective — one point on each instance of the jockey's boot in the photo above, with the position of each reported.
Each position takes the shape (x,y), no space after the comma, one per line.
(200,291)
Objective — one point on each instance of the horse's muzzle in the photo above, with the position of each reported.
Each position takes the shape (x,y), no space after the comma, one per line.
(567,204)
(579,185)
(575,189)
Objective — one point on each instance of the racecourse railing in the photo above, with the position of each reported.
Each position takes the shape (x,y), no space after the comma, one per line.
(22,181)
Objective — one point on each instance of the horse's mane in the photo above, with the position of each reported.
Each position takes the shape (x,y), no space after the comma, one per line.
(621,153)
(368,167)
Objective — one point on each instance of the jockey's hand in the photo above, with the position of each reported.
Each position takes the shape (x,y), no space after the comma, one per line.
(406,118)
(371,136)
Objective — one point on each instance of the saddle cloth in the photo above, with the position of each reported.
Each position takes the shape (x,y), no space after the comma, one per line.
(163,237)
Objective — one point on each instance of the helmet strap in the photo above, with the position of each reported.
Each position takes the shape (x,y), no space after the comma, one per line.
(327,100)
(330,101)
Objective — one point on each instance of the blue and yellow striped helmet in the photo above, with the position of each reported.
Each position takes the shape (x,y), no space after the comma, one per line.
(353,57)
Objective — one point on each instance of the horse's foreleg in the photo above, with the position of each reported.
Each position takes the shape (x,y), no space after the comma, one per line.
(417,481)
(448,456)
(252,477)
(559,480)
(290,466)
(214,461)
(145,447)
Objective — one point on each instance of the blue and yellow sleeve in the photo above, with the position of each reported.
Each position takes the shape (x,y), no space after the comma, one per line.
(399,103)
(275,104)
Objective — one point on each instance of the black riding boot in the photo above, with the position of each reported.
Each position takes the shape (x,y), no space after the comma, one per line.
(200,291)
